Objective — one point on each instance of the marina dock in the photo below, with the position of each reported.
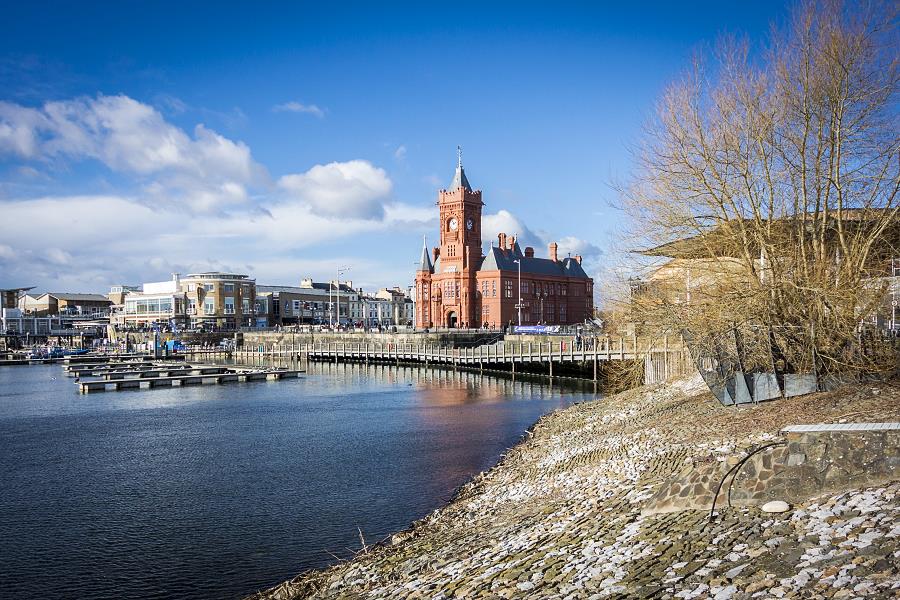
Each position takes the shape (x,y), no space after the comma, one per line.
(197,376)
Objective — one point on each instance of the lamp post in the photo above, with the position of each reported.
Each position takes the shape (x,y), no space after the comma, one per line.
(519,303)
(543,295)
(337,294)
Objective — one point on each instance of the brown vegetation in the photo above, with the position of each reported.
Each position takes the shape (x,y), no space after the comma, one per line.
(775,182)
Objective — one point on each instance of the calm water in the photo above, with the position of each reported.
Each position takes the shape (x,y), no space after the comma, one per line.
(218,491)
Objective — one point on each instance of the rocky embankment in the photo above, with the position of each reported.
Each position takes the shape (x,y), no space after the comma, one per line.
(568,513)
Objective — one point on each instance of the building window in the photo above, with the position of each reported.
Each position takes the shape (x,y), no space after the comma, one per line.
(229,288)
(209,287)
(524,288)
(209,308)
(245,306)
(564,289)
(229,306)
(494,288)
(507,289)
(562,313)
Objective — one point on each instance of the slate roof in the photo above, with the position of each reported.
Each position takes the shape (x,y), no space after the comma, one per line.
(425,261)
(459,179)
(497,259)
(300,289)
(79,297)
(330,286)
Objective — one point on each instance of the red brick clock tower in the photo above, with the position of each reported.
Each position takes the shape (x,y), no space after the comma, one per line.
(463,288)
(452,301)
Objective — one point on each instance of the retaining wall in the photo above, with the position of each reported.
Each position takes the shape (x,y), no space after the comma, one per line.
(811,460)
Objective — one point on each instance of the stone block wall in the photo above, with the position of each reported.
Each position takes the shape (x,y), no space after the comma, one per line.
(810,460)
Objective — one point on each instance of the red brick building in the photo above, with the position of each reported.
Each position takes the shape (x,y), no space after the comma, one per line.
(459,286)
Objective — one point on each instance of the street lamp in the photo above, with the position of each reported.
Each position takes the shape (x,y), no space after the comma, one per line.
(519,304)
(543,295)
(337,293)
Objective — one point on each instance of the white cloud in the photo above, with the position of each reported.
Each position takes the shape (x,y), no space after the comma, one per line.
(196,200)
(400,153)
(573,245)
(297,107)
(399,213)
(18,130)
(58,257)
(101,240)
(200,173)
(355,189)
(505,222)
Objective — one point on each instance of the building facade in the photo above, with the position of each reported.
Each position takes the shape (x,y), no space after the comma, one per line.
(66,304)
(329,303)
(310,303)
(459,286)
(213,300)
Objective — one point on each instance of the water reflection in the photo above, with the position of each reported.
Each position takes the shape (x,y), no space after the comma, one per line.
(216,491)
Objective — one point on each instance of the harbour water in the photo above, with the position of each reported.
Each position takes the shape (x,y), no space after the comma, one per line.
(216,492)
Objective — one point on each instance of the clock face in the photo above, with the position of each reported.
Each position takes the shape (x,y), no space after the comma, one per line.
(454,224)
(469,224)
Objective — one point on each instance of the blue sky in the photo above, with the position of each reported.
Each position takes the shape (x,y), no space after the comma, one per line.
(137,139)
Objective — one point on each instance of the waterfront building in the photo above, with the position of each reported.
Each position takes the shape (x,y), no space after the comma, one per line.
(212,300)
(315,303)
(457,285)
(63,315)
(310,303)
(93,306)
(697,264)
(394,307)
(117,295)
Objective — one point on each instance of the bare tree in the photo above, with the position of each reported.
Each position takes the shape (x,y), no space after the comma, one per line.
(773,181)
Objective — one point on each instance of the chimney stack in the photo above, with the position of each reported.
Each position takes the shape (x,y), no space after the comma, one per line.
(578,258)
(553,247)
(529,252)
(512,242)
(501,237)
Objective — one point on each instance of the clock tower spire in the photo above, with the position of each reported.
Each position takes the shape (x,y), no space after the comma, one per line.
(460,249)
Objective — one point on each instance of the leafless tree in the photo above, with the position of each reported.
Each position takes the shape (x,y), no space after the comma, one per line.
(772,178)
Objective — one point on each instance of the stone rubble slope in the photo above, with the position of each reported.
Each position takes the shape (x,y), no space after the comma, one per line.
(560,516)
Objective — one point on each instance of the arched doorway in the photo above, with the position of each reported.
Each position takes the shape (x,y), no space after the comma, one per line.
(451,320)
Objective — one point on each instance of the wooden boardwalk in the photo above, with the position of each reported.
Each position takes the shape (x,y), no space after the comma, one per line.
(660,361)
